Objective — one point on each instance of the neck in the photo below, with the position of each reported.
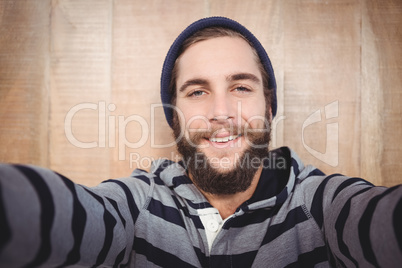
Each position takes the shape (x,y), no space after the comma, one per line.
(227,204)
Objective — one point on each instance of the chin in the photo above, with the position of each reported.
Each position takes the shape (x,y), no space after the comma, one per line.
(223,168)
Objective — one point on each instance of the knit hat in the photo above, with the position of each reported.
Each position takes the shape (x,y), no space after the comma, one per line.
(174,50)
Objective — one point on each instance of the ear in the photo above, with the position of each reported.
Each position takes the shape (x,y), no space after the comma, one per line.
(270,114)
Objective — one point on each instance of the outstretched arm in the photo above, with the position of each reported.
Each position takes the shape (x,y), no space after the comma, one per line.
(362,223)
(48,220)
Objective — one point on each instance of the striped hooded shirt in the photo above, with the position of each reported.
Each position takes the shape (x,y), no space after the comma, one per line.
(297,217)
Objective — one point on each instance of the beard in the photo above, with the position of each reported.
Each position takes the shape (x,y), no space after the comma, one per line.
(223,181)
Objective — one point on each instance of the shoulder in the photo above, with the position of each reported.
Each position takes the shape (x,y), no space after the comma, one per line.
(311,182)
(140,185)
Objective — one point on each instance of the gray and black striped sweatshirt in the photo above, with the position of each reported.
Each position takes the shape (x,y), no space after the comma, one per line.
(297,217)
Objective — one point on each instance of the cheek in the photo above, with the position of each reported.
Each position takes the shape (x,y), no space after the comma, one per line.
(255,116)
(192,117)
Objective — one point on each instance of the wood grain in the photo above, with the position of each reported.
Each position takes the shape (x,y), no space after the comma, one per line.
(81,39)
(77,74)
(381,92)
(24,81)
(142,35)
(322,69)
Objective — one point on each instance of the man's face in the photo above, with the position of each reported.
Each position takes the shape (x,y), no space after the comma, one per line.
(220,101)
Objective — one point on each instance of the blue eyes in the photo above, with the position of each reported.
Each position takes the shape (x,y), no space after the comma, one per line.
(196,93)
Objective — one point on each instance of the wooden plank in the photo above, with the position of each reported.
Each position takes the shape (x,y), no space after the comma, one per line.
(143,33)
(381,91)
(322,83)
(24,46)
(80,88)
(105,61)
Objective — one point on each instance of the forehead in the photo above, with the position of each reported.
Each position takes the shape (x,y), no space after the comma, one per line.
(217,56)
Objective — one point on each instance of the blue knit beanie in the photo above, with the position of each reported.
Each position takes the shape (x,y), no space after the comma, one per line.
(174,50)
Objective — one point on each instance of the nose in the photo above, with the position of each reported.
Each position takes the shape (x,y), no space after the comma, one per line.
(222,109)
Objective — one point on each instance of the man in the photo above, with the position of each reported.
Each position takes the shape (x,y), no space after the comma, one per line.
(229,203)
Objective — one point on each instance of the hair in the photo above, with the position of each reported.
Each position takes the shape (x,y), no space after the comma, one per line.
(214,32)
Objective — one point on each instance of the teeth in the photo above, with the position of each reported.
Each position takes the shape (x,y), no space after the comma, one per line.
(224,139)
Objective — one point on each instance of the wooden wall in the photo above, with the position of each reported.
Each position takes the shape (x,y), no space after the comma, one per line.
(79,81)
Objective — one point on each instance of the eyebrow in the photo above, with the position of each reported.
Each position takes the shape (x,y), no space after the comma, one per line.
(192,82)
(243,76)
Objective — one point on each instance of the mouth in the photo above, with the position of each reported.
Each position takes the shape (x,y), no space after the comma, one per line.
(224,139)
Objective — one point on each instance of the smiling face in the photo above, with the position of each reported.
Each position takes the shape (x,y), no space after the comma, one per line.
(221,108)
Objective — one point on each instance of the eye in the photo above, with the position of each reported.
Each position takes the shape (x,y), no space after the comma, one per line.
(196,93)
(242,89)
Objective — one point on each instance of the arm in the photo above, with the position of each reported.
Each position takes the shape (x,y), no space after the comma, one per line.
(46,219)
(362,223)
